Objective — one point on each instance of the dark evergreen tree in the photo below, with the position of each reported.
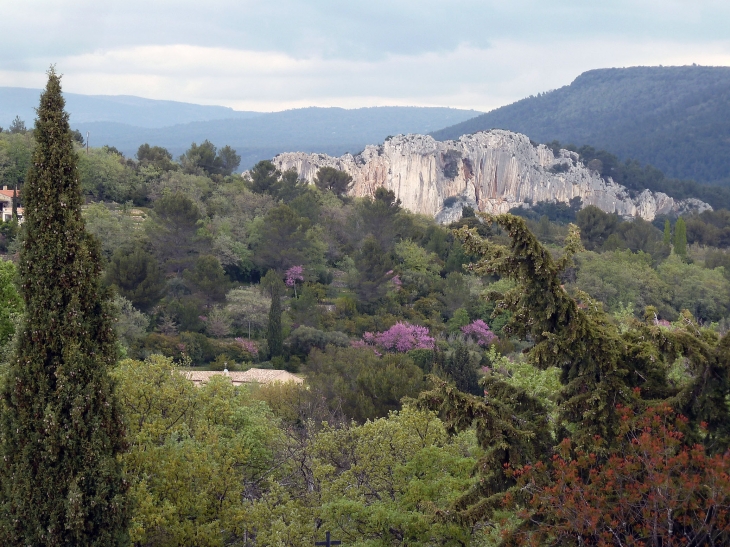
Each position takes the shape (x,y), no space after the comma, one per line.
(602,370)
(595,226)
(17,126)
(62,483)
(274,336)
(15,203)
(264,176)
(155,156)
(461,368)
(136,276)
(667,239)
(680,237)
(173,232)
(329,178)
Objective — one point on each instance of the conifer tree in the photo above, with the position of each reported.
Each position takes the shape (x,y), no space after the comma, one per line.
(667,233)
(603,372)
(61,427)
(274,337)
(680,237)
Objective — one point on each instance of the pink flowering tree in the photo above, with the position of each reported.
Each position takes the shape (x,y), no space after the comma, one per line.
(294,274)
(480,331)
(400,338)
(249,346)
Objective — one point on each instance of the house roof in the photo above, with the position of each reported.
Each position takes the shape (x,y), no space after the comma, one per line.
(8,193)
(267,376)
(254,375)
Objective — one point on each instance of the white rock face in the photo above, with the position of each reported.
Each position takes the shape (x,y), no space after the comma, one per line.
(491,171)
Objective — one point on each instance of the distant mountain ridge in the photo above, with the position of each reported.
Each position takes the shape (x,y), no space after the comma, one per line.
(329,130)
(674,118)
(126,109)
(126,122)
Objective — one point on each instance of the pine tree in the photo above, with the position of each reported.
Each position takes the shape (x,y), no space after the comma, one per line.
(62,483)
(680,237)
(667,233)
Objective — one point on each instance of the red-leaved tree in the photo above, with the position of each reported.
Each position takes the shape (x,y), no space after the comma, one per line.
(656,491)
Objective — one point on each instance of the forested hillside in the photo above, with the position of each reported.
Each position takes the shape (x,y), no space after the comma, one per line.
(491,382)
(676,119)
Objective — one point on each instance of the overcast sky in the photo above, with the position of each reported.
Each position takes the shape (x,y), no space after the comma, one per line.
(278,54)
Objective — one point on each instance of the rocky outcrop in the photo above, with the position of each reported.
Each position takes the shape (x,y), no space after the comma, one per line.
(492,171)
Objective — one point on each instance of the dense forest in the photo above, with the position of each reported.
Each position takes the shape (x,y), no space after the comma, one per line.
(555,376)
(674,118)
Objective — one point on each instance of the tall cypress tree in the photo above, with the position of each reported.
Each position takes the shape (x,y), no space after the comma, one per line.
(61,427)
(667,233)
(680,237)
(274,337)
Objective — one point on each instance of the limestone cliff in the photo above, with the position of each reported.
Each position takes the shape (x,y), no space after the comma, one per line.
(492,171)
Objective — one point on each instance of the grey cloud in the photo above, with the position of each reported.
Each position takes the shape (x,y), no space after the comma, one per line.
(364,30)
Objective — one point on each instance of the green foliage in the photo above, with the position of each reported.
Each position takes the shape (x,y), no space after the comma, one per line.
(595,226)
(709,228)
(359,382)
(131,324)
(680,237)
(369,280)
(329,178)
(113,226)
(705,293)
(156,157)
(554,211)
(106,176)
(12,303)
(193,453)
(304,310)
(303,339)
(600,371)
(206,158)
(460,367)
(511,428)
(62,430)
(622,276)
(583,344)
(16,152)
(263,178)
(544,385)
(287,240)
(173,231)
(382,482)
(642,111)
(17,126)
(248,308)
(274,335)
(9,231)
(208,275)
(136,276)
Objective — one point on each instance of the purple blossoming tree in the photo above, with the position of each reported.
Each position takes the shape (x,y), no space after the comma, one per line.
(480,331)
(248,345)
(294,274)
(400,338)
